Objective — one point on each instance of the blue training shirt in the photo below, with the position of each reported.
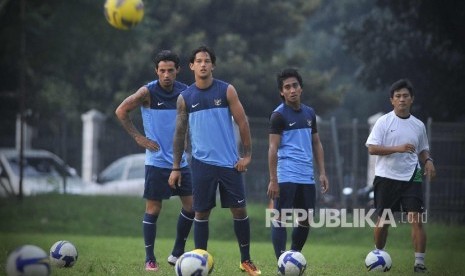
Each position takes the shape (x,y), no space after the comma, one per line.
(159,122)
(210,124)
(295,153)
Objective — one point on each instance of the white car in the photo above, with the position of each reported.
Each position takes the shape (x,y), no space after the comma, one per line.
(43,172)
(125,176)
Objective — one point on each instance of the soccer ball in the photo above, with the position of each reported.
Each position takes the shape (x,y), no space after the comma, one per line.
(63,254)
(124,14)
(191,264)
(207,256)
(28,260)
(378,260)
(292,263)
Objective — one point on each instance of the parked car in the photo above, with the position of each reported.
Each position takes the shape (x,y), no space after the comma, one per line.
(125,176)
(43,172)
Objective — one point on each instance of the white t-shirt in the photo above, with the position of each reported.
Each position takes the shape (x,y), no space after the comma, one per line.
(391,130)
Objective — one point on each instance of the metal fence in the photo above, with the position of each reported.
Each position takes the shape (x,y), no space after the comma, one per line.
(346,160)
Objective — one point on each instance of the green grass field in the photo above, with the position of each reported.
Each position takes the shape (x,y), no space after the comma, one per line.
(107,232)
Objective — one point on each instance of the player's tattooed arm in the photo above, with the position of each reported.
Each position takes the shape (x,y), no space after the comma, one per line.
(180,133)
(140,98)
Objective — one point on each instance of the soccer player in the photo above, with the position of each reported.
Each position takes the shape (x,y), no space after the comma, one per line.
(400,144)
(157,101)
(294,149)
(205,109)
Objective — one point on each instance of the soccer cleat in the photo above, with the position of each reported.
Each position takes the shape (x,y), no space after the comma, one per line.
(151,266)
(420,268)
(250,268)
(172,260)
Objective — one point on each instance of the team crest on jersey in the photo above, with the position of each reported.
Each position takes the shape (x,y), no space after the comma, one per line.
(309,122)
(217,102)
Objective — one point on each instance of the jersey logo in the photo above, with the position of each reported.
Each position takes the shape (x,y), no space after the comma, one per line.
(291,124)
(195,105)
(217,102)
(159,103)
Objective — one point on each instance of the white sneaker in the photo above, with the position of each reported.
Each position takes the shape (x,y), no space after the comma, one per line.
(172,260)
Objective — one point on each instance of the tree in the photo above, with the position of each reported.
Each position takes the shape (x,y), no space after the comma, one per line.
(423,40)
(76,61)
(321,42)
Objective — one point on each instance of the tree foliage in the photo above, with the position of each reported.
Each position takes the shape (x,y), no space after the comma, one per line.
(75,61)
(320,44)
(423,40)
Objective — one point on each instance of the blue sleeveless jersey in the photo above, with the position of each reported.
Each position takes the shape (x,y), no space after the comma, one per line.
(159,122)
(295,153)
(210,125)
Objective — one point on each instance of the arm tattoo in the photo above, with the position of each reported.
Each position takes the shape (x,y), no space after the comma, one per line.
(246,150)
(180,133)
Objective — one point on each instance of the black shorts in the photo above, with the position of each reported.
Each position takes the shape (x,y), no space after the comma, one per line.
(157,187)
(397,196)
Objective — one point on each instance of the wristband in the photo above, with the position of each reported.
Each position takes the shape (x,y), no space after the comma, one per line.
(429,159)
(176,169)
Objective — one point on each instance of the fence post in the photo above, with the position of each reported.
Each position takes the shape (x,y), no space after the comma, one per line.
(372,159)
(92,124)
(354,176)
(427,181)
(337,156)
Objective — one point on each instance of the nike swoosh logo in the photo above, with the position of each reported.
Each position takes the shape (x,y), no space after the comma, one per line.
(195,105)
(240,201)
(159,103)
(291,124)
(244,245)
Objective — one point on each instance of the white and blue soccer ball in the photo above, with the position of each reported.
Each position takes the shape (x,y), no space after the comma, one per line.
(63,254)
(292,263)
(191,264)
(378,260)
(28,260)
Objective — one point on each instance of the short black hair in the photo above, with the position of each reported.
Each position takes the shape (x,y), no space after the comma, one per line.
(402,83)
(206,49)
(285,74)
(166,55)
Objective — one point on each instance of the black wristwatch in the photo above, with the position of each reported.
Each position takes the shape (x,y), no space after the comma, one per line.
(429,159)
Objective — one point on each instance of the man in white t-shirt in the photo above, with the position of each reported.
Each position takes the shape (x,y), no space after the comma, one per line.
(400,144)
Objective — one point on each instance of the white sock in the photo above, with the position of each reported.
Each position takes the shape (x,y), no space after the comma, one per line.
(419,258)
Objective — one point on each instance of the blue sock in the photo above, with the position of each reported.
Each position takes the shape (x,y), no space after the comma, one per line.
(149,226)
(278,238)
(183,228)
(201,234)
(242,231)
(299,237)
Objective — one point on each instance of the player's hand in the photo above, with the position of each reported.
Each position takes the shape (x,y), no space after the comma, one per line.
(407,148)
(324,184)
(241,165)
(429,171)
(273,190)
(174,179)
(147,143)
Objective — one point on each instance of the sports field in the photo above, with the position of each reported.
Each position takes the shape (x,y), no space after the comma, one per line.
(107,232)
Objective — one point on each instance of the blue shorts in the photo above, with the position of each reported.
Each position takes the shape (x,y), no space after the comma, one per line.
(205,181)
(156,183)
(295,196)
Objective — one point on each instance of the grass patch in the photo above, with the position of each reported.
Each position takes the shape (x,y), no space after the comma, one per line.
(108,234)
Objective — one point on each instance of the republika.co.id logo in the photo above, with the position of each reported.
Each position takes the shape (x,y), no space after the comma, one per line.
(353,218)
